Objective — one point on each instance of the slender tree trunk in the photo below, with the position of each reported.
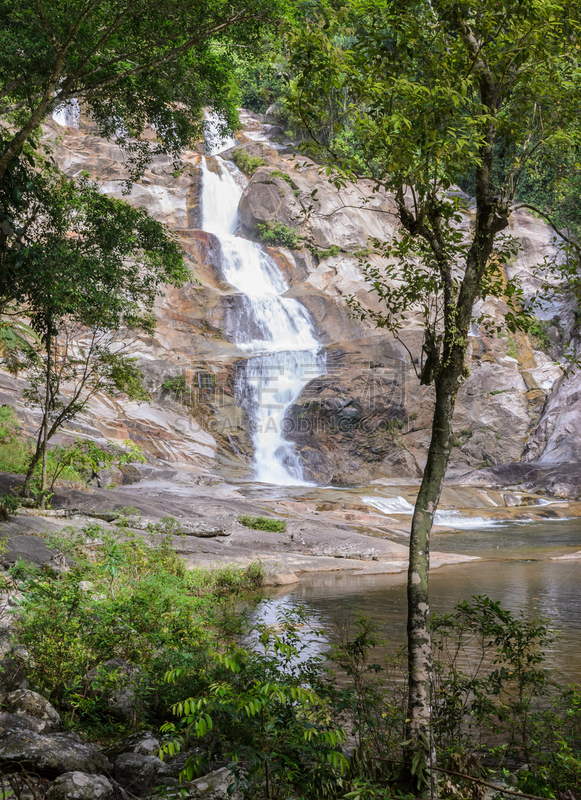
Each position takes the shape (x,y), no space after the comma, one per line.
(42,441)
(47,396)
(418,732)
(447,383)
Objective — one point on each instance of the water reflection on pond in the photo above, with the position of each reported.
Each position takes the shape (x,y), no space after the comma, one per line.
(515,570)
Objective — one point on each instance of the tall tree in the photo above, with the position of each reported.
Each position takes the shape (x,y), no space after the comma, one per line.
(132,63)
(84,269)
(438,92)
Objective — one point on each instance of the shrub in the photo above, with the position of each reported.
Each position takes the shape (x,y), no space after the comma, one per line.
(124,598)
(176,384)
(245,162)
(269,715)
(276,173)
(263,523)
(15,453)
(539,334)
(83,460)
(278,234)
(333,251)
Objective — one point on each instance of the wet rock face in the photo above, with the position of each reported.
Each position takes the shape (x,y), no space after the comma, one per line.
(367,418)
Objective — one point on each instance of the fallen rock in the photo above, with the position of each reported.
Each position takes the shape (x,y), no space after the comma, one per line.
(124,700)
(29,703)
(135,772)
(203,530)
(51,754)
(144,743)
(280,579)
(187,527)
(79,786)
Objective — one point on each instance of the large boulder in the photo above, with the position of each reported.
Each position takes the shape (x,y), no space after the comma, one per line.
(120,684)
(51,754)
(21,722)
(144,742)
(32,704)
(213,786)
(79,786)
(135,772)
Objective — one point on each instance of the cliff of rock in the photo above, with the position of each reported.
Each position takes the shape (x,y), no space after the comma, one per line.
(367,417)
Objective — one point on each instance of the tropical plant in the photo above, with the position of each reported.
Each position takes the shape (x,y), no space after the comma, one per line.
(86,459)
(85,269)
(433,91)
(266,715)
(129,65)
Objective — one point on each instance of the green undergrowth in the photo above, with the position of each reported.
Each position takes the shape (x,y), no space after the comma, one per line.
(15,451)
(78,462)
(124,598)
(278,234)
(298,718)
(245,162)
(262,523)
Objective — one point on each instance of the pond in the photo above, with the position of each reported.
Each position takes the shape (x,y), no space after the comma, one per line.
(515,569)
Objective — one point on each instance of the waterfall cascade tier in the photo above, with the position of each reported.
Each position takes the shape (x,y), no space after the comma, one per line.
(275,331)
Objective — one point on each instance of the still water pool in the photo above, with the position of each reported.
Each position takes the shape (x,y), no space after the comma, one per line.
(515,568)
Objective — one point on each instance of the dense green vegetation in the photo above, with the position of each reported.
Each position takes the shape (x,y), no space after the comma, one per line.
(278,701)
(245,162)
(262,523)
(277,233)
(80,462)
(131,65)
(127,599)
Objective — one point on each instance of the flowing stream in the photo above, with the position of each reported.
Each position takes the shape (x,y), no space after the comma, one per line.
(275,331)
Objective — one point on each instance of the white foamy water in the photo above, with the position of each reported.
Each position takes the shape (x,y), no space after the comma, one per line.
(453,519)
(68,114)
(389,505)
(276,332)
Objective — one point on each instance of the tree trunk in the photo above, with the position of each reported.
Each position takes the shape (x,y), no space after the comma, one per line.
(420,753)
(42,441)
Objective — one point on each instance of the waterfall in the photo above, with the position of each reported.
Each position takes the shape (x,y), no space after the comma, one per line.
(68,114)
(275,331)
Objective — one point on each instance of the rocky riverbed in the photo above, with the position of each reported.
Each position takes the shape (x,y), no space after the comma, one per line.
(327,529)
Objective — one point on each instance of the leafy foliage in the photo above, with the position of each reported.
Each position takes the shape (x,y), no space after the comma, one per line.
(15,452)
(86,269)
(274,725)
(131,66)
(262,523)
(86,459)
(277,233)
(123,598)
(245,162)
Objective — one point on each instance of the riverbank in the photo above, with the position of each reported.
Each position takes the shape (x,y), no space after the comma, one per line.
(326,529)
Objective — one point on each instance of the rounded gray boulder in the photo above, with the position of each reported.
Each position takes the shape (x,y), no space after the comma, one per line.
(51,754)
(80,786)
(32,704)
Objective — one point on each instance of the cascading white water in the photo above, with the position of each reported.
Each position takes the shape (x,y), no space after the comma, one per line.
(68,114)
(276,332)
